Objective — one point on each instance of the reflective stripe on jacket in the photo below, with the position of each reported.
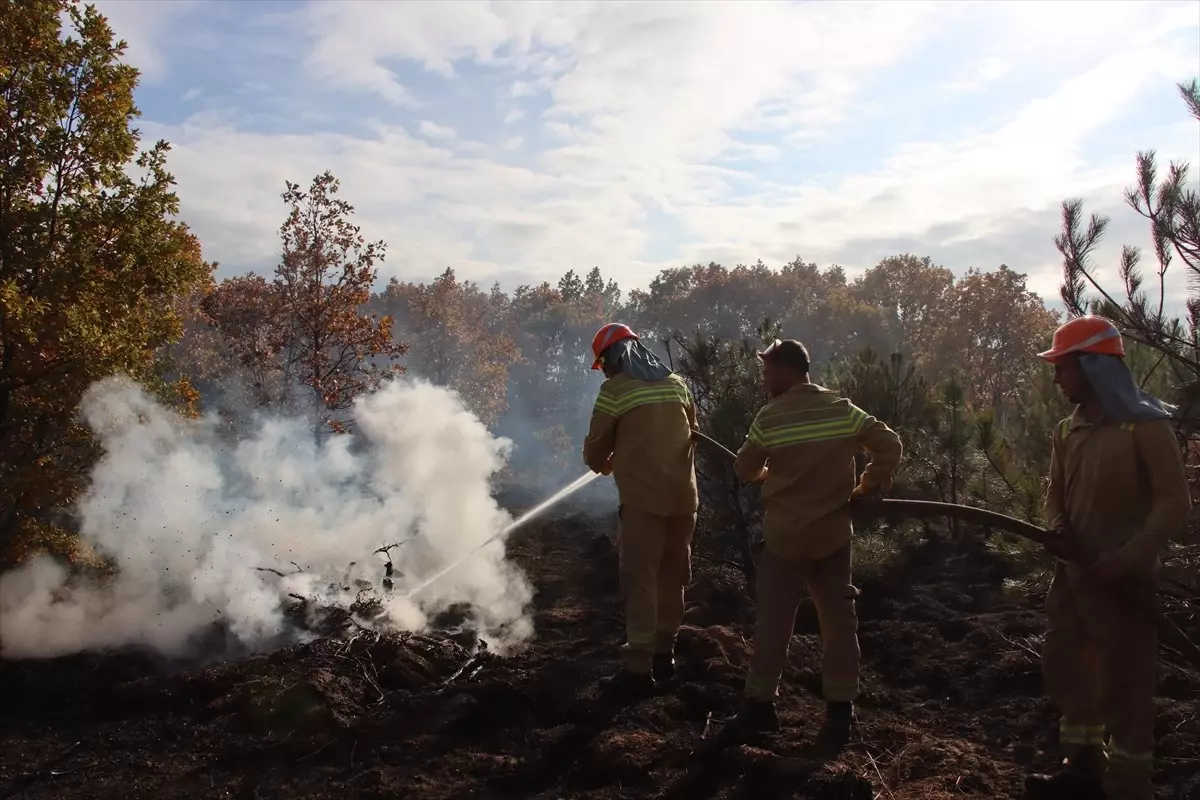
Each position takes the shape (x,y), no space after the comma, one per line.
(806,439)
(645,428)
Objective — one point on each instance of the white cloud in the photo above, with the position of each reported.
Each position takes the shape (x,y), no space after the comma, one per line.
(142,25)
(988,69)
(694,110)
(352,39)
(977,185)
(431,130)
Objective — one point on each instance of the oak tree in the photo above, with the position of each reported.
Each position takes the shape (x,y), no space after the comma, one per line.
(328,342)
(91,258)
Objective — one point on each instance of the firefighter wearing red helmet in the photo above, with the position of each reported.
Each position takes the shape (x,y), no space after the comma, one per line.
(641,434)
(1117,495)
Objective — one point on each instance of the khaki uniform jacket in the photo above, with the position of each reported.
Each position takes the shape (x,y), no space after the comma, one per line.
(1119,487)
(642,432)
(806,439)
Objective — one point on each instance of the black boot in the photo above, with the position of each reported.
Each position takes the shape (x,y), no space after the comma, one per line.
(1079,778)
(664,667)
(839,719)
(757,717)
(632,684)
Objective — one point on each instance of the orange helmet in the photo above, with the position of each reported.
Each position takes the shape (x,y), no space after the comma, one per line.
(1090,334)
(606,337)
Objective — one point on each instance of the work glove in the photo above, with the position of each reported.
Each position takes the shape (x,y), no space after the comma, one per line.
(1059,544)
(868,491)
(871,485)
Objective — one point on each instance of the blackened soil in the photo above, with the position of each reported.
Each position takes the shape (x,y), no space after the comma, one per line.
(952,704)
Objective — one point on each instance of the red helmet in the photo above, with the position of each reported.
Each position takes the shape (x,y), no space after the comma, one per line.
(606,337)
(1090,334)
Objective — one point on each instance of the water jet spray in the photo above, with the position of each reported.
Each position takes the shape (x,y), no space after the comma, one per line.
(557,497)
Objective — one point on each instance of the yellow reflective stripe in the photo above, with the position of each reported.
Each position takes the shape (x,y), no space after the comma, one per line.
(756,434)
(1080,734)
(649,396)
(640,640)
(763,688)
(617,404)
(839,691)
(847,423)
(773,417)
(687,393)
(605,404)
(1117,753)
(1126,426)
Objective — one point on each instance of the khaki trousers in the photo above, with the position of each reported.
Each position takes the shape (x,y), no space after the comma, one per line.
(781,584)
(655,555)
(1099,663)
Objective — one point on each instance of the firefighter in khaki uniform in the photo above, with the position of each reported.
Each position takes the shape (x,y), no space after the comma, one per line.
(641,433)
(801,447)
(1118,493)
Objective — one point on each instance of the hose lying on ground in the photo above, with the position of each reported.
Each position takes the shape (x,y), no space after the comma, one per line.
(888,508)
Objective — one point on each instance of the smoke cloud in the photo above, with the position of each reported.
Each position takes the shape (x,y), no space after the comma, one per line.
(187,516)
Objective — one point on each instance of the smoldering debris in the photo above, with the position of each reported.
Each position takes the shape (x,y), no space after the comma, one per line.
(200,529)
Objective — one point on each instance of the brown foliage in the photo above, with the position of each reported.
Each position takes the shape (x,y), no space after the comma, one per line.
(308,327)
(465,338)
(321,285)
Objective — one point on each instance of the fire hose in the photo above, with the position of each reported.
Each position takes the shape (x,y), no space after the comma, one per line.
(888,508)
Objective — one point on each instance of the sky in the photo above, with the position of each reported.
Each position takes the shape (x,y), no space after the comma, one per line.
(513,141)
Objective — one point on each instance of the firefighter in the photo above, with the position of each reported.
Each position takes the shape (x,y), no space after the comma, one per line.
(641,434)
(801,447)
(1117,495)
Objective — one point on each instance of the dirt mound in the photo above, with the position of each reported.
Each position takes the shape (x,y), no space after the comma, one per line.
(951,703)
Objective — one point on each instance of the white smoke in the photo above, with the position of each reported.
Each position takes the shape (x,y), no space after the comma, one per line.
(187,516)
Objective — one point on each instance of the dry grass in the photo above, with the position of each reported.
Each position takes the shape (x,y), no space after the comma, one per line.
(1032,568)
(904,762)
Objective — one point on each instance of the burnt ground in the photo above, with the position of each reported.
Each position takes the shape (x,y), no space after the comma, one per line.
(952,703)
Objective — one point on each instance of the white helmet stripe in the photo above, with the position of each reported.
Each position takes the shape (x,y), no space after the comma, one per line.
(1110,333)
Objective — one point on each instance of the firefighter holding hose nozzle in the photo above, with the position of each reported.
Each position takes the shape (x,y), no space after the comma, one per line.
(1118,493)
(801,447)
(641,434)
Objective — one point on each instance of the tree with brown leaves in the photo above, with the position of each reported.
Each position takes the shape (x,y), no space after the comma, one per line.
(462,338)
(327,342)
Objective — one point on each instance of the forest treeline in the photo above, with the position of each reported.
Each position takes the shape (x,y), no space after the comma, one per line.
(98,276)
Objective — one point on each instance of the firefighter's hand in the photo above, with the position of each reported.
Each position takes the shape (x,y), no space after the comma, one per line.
(1059,544)
(865,494)
(604,467)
